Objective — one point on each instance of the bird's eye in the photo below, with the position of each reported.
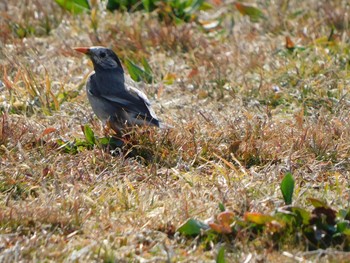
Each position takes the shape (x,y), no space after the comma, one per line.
(102,54)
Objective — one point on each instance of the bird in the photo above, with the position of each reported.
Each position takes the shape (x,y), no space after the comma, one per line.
(117,104)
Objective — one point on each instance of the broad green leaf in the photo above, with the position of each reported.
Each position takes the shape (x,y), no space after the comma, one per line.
(147,5)
(132,5)
(302,213)
(344,214)
(254,13)
(122,5)
(112,5)
(104,140)
(317,202)
(220,258)
(74,6)
(89,135)
(110,142)
(287,188)
(136,73)
(343,227)
(192,227)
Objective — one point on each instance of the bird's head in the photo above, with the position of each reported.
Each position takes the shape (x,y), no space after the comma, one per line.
(102,58)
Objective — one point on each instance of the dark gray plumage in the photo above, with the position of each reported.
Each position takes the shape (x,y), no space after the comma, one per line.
(114,102)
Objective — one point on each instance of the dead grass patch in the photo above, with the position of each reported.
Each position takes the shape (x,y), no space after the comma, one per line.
(245,111)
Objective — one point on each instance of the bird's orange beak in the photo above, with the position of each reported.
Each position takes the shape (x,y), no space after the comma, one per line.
(84,50)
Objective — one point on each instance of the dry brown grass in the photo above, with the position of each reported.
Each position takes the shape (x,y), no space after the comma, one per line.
(234,136)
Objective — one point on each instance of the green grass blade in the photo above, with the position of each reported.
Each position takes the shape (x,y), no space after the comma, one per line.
(220,258)
(89,135)
(74,6)
(287,188)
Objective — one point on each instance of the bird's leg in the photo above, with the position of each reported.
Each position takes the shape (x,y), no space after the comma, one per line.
(109,126)
(114,134)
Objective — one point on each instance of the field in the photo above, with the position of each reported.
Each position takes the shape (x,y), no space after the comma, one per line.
(255,92)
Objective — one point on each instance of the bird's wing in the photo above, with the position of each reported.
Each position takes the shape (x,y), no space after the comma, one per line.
(142,96)
(132,101)
(121,97)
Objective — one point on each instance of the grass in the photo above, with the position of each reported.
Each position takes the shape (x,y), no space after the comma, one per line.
(245,109)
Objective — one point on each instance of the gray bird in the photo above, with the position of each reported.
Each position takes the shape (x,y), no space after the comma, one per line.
(115,103)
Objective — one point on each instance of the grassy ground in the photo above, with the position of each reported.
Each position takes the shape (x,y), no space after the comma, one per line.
(245,111)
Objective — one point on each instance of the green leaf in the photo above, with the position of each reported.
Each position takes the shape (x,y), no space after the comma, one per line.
(222,207)
(343,227)
(112,5)
(192,227)
(104,140)
(206,6)
(254,13)
(89,135)
(110,142)
(344,214)
(346,232)
(317,202)
(146,66)
(147,5)
(221,255)
(194,6)
(301,214)
(74,6)
(287,188)
(122,5)
(136,73)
